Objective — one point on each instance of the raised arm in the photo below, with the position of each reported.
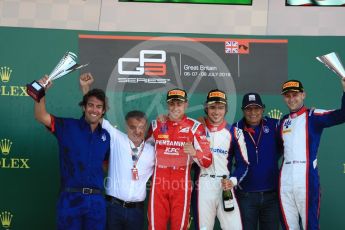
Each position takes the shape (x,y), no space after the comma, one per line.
(41,113)
(329,118)
(85,82)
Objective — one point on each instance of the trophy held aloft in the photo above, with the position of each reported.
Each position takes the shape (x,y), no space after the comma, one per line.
(332,61)
(67,64)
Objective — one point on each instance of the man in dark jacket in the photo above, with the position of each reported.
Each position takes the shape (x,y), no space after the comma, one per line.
(257,195)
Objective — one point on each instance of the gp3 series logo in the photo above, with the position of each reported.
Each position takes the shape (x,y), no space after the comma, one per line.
(151,63)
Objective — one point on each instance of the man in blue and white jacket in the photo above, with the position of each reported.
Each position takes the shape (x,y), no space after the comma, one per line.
(300,134)
(258,193)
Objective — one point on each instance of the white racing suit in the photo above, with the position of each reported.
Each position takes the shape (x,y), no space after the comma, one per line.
(299,179)
(226,143)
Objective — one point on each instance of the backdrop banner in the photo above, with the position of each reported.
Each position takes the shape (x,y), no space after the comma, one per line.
(135,68)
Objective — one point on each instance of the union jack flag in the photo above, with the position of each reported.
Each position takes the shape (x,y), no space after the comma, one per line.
(231,47)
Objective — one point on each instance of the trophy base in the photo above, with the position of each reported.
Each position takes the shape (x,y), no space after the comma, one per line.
(35,90)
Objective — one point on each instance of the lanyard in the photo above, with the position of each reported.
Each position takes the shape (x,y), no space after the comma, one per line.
(135,157)
(256,144)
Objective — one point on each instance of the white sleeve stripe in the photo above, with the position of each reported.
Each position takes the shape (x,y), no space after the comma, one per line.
(154,125)
(241,144)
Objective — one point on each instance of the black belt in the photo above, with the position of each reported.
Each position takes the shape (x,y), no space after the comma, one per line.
(210,175)
(86,191)
(268,192)
(262,192)
(295,162)
(124,204)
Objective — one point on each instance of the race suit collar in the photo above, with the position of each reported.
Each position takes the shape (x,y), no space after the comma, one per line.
(214,128)
(177,122)
(299,112)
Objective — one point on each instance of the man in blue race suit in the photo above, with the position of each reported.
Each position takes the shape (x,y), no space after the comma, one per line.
(83,146)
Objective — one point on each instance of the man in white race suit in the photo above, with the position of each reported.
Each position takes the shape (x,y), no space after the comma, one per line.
(226,143)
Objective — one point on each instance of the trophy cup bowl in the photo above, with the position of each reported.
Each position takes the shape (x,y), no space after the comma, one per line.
(67,64)
(332,61)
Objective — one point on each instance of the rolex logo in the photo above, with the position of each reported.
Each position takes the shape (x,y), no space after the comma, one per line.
(10,90)
(275,113)
(5,74)
(5,146)
(6,218)
(11,162)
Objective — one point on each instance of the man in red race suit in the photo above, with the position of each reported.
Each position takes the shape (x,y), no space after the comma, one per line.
(178,142)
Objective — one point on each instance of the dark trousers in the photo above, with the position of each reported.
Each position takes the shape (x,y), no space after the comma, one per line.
(76,211)
(119,217)
(259,209)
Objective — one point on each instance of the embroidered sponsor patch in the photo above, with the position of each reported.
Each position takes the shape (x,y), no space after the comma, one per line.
(176,93)
(184,130)
(291,84)
(217,94)
(286,131)
(163,136)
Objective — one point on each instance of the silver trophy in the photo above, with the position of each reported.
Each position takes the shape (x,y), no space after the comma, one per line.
(332,61)
(67,64)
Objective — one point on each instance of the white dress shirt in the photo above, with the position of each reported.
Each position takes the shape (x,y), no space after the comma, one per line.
(119,182)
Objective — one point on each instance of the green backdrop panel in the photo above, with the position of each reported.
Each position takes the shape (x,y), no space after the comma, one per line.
(29,167)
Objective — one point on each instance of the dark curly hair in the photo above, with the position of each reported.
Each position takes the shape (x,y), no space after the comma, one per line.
(97,93)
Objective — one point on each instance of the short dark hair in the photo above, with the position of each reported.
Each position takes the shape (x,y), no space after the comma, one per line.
(97,93)
(136,114)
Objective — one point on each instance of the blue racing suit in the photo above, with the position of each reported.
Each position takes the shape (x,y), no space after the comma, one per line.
(299,179)
(81,204)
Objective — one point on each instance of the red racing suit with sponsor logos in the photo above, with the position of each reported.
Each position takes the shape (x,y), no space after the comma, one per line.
(171,183)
